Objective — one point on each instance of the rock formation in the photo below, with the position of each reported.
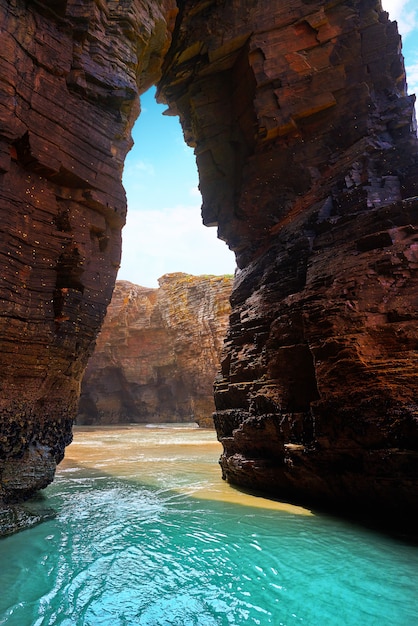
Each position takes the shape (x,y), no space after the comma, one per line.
(70,73)
(308,161)
(307,154)
(158,352)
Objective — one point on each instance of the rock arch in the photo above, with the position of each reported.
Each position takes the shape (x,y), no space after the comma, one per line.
(307,153)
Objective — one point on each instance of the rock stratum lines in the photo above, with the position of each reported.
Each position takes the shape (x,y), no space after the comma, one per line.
(158,353)
(306,146)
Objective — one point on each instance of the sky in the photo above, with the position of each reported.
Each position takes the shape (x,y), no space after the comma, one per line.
(164,232)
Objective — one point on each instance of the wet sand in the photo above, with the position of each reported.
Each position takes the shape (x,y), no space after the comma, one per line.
(180,458)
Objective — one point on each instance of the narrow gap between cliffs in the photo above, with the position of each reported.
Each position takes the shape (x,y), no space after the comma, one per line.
(164,231)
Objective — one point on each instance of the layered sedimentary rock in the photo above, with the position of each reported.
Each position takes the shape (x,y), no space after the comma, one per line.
(307,155)
(158,352)
(70,73)
(306,146)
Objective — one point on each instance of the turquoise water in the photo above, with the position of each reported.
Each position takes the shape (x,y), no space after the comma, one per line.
(146,533)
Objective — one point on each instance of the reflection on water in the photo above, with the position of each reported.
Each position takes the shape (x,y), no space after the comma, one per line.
(148,534)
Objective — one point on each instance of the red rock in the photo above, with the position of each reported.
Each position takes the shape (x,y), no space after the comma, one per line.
(158,353)
(307,154)
(68,100)
(308,164)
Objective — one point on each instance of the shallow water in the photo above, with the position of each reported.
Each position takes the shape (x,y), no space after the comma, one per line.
(147,533)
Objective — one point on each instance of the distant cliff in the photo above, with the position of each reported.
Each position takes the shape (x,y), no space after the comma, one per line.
(158,353)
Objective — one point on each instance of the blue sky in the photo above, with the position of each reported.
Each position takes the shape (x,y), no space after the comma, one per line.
(164,232)
(405,12)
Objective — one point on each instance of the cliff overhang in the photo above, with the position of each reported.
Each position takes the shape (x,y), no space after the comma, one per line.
(307,153)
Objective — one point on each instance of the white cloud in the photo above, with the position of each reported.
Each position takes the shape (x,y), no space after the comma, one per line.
(394,7)
(404,12)
(139,166)
(170,240)
(412,76)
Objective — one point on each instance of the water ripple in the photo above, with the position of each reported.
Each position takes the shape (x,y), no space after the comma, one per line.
(124,554)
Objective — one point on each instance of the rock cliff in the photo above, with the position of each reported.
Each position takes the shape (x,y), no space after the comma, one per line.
(308,158)
(70,74)
(307,153)
(158,352)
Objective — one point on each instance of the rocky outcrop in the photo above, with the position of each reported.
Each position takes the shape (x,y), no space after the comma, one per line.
(70,74)
(158,353)
(307,155)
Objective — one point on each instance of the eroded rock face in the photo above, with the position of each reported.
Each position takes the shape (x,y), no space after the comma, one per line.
(308,165)
(70,73)
(307,153)
(158,353)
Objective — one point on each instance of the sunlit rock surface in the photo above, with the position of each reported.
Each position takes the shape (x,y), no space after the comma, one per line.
(307,153)
(70,73)
(158,352)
